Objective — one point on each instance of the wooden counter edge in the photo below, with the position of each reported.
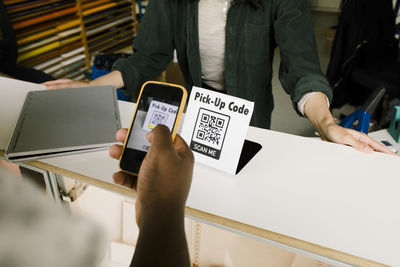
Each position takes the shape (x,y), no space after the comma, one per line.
(238,226)
(282,239)
(86,179)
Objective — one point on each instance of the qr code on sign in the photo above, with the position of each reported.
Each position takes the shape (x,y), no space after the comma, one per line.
(210,128)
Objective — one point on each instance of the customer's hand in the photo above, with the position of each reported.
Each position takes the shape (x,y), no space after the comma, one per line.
(164,177)
(317,111)
(113,78)
(360,141)
(65,83)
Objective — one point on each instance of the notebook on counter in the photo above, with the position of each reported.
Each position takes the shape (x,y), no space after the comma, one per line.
(58,122)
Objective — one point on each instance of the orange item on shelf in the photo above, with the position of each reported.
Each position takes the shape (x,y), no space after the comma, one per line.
(43,18)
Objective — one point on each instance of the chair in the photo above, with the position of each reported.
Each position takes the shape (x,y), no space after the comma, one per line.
(9,54)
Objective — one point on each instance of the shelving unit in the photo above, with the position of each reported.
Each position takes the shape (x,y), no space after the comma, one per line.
(60,37)
(108,25)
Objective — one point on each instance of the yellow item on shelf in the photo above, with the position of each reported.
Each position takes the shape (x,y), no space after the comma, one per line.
(97,9)
(46,48)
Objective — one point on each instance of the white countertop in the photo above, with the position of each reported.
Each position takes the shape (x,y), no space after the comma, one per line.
(325,194)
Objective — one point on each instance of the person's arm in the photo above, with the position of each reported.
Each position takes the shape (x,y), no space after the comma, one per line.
(153,51)
(162,188)
(300,73)
(162,240)
(317,111)
(113,78)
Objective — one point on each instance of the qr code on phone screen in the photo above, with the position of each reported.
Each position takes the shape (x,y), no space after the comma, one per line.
(158,118)
(209,133)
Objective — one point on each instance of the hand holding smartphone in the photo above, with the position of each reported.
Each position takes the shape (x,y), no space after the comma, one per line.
(158,103)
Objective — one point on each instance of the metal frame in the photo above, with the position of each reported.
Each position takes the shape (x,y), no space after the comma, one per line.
(54,184)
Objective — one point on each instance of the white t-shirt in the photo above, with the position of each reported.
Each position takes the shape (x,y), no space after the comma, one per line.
(212,21)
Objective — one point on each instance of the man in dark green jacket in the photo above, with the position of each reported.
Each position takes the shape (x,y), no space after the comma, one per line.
(253,29)
(251,36)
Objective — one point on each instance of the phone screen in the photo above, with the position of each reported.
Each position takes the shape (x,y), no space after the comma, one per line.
(158,104)
(151,113)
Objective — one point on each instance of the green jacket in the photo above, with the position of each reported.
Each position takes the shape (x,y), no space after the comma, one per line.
(251,37)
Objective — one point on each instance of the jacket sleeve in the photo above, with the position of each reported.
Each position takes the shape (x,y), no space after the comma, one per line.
(300,71)
(153,47)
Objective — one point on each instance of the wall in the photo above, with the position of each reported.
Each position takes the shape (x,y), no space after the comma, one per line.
(325,5)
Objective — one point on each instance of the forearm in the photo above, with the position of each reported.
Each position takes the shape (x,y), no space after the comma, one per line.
(113,78)
(162,241)
(317,111)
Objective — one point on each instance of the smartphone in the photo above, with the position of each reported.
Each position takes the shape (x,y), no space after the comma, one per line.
(158,103)
(389,146)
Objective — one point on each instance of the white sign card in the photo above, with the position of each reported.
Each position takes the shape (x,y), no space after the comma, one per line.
(215,127)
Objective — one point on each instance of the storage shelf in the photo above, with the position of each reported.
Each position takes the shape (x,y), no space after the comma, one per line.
(111,12)
(41,19)
(63,72)
(103,46)
(41,27)
(107,24)
(51,55)
(60,36)
(110,35)
(29,5)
